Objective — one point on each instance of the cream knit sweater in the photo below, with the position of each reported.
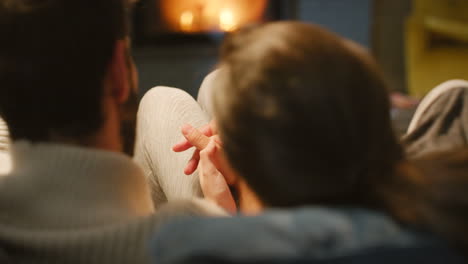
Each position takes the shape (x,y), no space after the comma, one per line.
(64,204)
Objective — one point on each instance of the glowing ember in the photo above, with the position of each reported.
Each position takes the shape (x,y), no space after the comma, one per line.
(227,21)
(186,21)
(195,16)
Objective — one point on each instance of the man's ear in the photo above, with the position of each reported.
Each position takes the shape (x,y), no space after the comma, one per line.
(119,82)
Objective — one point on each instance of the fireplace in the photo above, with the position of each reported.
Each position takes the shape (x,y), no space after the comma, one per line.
(160,21)
(176,42)
(197,16)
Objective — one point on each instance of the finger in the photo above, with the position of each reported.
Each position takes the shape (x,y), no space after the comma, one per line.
(193,163)
(217,140)
(217,159)
(207,130)
(206,165)
(195,137)
(213,127)
(213,183)
(185,144)
(207,168)
(182,146)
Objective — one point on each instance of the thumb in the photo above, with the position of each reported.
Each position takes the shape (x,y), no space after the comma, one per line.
(195,137)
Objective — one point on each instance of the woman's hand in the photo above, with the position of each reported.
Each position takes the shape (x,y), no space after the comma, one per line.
(214,171)
(213,184)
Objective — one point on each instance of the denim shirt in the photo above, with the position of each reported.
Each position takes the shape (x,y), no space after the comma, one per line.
(319,233)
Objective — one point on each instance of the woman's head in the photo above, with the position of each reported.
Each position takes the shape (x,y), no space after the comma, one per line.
(304,116)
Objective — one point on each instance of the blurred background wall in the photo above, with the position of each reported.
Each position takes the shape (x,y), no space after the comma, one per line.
(351,19)
(418,43)
(184,63)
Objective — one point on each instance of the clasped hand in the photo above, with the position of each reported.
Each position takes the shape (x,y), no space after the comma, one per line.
(214,171)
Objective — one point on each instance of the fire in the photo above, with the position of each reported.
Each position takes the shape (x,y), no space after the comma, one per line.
(210,15)
(186,21)
(227,21)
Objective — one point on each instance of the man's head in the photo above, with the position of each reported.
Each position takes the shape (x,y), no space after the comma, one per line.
(64,67)
(304,116)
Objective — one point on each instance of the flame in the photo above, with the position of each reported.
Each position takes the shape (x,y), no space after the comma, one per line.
(186,21)
(227,22)
(209,15)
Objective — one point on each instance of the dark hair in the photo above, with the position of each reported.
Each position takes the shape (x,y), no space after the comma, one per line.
(54,56)
(304,116)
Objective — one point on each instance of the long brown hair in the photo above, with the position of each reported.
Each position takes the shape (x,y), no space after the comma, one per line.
(431,193)
(305,119)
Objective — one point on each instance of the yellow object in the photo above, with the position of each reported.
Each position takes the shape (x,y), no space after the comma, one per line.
(436,44)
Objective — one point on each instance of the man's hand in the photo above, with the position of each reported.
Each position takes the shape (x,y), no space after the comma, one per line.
(208,130)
